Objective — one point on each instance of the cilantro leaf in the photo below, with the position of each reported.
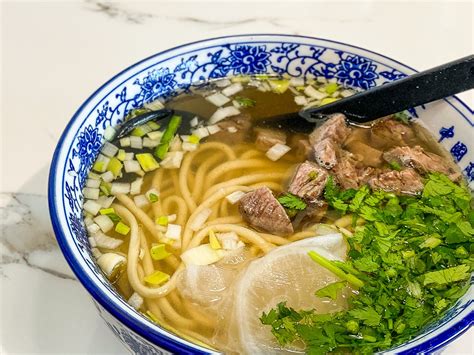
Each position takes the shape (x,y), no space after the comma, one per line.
(331,290)
(291,201)
(368,315)
(446,276)
(245,101)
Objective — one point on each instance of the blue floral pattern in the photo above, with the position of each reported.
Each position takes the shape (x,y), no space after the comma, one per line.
(180,72)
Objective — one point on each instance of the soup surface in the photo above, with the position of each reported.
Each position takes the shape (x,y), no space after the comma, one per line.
(250,239)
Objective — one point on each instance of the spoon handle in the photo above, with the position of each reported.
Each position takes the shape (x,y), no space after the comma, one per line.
(427,86)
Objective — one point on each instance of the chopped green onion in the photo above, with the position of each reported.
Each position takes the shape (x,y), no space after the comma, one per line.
(157,278)
(193,139)
(213,241)
(140,131)
(328,100)
(147,162)
(331,88)
(279,86)
(159,252)
(106,188)
(107,211)
(327,264)
(153,125)
(121,155)
(153,197)
(115,166)
(114,217)
(168,135)
(162,220)
(101,163)
(122,228)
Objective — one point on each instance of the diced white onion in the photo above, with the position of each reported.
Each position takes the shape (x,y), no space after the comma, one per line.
(92,183)
(173,231)
(125,142)
(92,207)
(96,253)
(301,100)
(104,222)
(175,144)
(136,186)
(154,105)
(321,79)
(171,218)
(88,221)
(105,201)
(135,300)
(109,150)
(332,80)
(200,219)
(108,176)
(234,197)
(232,89)
(213,129)
(232,129)
(297,81)
(155,135)
(201,255)
(223,113)
(222,83)
(346,93)
(93,228)
(102,160)
(141,201)
(150,143)
(229,241)
(336,94)
(141,254)
(136,142)
(172,160)
(120,188)
(264,87)
(189,147)
(129,156)
(194,122)
(106,242)
(92,242)
(91,193)
(131,166)
(218,99)
(109,261)
(277,151)
(109,133)
(315,94)
(201,132)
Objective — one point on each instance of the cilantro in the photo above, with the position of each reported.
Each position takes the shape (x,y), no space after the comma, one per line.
(402,116)
(395,166)
(410,262)
(331,290)
(443,277)
(292,202)
(245,101)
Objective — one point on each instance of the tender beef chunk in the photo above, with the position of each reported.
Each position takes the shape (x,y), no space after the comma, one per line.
(261,209)
(308,181)
(267,138)
(421,161)
(334,128)
(365,153)
(241,122)
(346,174)
(406,181)
(389,132)
(325,153)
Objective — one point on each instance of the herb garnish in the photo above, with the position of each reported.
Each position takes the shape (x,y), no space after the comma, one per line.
(292,202)
(245,101)
(413,256)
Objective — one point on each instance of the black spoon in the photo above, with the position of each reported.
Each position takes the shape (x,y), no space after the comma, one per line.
(414,90)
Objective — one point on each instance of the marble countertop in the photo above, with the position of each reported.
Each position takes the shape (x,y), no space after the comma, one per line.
(55,54)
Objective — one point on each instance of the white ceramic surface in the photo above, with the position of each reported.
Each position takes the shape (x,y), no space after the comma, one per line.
(55,54)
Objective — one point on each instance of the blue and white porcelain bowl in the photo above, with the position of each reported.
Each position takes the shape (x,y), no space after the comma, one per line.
(161,76)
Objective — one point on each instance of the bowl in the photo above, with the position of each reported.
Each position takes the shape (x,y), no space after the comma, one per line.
(161,75)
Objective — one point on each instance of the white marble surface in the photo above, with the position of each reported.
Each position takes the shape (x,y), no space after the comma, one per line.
(54,54)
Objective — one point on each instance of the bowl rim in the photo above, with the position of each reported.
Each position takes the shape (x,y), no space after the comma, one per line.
(431,344)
